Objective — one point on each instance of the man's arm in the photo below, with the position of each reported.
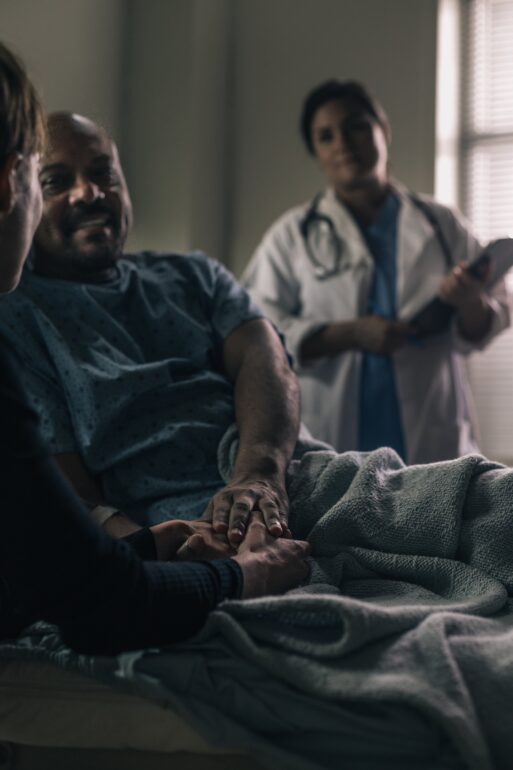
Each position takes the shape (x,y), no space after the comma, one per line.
(266,395)
(85,485)
(172,540)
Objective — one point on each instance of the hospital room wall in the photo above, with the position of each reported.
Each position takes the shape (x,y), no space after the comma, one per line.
(203,98)
(73,49)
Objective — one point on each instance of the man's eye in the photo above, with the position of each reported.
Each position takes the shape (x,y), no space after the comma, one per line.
(105,176)
(54,183)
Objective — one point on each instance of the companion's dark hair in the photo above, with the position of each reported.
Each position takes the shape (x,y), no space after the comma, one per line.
(22,123)
(344,90)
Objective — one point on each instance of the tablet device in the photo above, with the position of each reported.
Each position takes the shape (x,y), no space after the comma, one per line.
(492,264)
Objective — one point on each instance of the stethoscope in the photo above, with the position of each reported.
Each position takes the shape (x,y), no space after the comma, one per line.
(313,216)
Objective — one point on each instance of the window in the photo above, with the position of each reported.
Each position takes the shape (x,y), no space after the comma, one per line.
(487,125)
(486,190)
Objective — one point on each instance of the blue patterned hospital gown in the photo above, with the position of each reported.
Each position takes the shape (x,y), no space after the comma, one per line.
(128,373)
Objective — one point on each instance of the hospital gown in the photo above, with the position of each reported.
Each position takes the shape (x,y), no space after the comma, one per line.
(128,373)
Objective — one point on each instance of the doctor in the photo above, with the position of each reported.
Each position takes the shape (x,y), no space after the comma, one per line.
(341,276)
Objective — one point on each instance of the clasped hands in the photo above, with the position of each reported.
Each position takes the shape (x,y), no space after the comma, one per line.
(245,521)
(224,525)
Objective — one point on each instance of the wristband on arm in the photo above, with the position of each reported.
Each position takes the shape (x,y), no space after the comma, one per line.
(102,513)
(142,540)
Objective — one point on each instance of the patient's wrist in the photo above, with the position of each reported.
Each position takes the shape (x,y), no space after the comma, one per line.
(143,543)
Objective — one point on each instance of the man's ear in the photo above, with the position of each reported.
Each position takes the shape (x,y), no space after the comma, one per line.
(8,187)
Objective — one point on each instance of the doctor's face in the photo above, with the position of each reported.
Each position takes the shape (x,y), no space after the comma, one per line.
(350,145)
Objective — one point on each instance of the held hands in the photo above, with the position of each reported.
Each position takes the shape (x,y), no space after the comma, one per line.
(270,565)
(461,289)
(375,334)
(230,509)
(178,540)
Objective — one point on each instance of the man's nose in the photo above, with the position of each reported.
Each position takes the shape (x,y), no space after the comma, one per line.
(85,191)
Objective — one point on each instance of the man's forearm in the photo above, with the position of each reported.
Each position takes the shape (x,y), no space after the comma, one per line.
(116,524)
(266,401)
(267,413)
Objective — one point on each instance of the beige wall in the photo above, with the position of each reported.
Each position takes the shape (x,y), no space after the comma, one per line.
(203,97)
(174,122)
(73,49)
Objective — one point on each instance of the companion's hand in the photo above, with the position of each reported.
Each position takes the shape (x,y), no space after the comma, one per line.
(230,510)
(179,540)
(461,289)
(270,565)
(376,334)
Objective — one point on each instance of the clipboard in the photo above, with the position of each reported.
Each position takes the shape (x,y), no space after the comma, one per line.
(496,258)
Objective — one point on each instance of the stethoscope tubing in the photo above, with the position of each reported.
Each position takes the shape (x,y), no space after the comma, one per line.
(313,216)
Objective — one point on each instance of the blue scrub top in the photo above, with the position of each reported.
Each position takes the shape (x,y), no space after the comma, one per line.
(379,413)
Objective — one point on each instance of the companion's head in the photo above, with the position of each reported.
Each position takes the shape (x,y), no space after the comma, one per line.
(87,211)
(22,137)
(348,132)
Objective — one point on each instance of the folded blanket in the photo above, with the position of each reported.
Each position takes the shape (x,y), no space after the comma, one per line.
(399,651)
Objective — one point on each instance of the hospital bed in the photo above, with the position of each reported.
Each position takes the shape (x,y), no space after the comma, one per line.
(51,719)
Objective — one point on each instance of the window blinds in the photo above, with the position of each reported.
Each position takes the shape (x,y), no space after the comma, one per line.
(487,192)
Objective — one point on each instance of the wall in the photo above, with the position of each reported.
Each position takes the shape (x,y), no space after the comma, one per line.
(177,64)
(73,49)
(203,97)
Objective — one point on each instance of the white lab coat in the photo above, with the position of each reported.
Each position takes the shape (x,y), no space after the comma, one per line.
(435,401)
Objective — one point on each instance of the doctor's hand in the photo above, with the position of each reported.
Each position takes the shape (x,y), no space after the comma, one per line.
(270,565)
(461,289)
(231,509)
(466,293)
(375,334)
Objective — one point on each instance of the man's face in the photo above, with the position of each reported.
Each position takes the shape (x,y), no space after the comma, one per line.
(86,205)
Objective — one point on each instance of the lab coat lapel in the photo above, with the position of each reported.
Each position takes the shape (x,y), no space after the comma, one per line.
(414,289)
(355,250)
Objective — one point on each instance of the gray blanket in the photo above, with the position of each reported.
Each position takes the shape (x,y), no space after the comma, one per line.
(399,652)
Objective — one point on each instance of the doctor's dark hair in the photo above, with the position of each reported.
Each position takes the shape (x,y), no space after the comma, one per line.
(22,124)
(343,90)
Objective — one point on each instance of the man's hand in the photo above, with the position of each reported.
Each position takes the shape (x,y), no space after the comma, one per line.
(375,334)
(179,540)
(270,565)
(230,510)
